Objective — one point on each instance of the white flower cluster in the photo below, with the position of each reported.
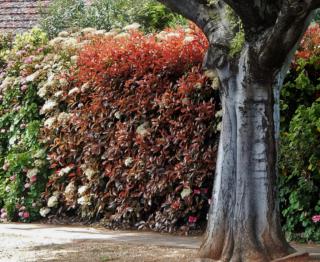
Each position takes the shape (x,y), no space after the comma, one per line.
(33,77)
(44,211)
(165,36)
(64,117)
(89,173)
(7,82)
(70,188)
(134,26)
(70,192)
(49,122)
(32,172)
(84,199)
(82,190)
(52,201)
(64,171)
(49,106)
(74,91)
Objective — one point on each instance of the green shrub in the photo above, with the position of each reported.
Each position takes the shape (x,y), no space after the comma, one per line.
(23,161)
(317,17)
(154,16)
(30,41)
(5,45)
(300,147)
(300,180)
(106,14)
(61,15)
(31,64)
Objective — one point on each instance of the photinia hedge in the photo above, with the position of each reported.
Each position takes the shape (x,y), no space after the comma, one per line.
(134,140)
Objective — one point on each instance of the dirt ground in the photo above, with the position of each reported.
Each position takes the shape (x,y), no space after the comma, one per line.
(97,251)
(38,243)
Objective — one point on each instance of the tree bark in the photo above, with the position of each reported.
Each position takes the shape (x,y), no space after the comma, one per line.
(243,223)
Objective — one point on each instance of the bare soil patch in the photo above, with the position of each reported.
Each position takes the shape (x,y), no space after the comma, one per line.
(96,251)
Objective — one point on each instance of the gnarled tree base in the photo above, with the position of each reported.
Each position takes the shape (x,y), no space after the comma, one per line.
(243,221)
(295,257)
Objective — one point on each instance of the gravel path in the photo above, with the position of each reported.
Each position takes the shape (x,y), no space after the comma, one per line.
(33,243)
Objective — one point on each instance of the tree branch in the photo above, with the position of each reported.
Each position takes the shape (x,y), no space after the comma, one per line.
(219,36)
(315,4)
(195,10)
(255,14)
(280,40)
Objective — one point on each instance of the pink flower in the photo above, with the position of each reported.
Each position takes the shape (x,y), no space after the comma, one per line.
(20,214)
(16,108)
(3,215)
(28,60)
(23,88)
(27,185)
(10,64)
(12,178)
(23,73)
(33,179)
(26,215)
(5,166)
(316,218)
(196,191)
(192,219)
(21,52)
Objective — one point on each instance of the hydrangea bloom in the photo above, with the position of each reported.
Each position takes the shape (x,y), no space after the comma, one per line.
(48,106)
(82,190)
(64,171)
(44,211)
(52,201)
(49,122)
(32,172)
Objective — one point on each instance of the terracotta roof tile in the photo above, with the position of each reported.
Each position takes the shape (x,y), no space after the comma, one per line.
(21,15)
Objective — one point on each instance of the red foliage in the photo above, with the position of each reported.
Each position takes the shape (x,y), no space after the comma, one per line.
(136,56)
(310,44)
(144,121)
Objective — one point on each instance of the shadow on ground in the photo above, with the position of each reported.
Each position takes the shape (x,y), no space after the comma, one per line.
(36,243)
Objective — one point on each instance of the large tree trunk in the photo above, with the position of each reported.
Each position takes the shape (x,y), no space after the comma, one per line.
(243,223)
(244,216)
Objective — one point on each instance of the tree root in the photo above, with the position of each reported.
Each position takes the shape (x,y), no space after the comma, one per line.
(295,257)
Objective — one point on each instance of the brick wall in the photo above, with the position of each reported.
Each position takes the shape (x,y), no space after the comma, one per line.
(20,15)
